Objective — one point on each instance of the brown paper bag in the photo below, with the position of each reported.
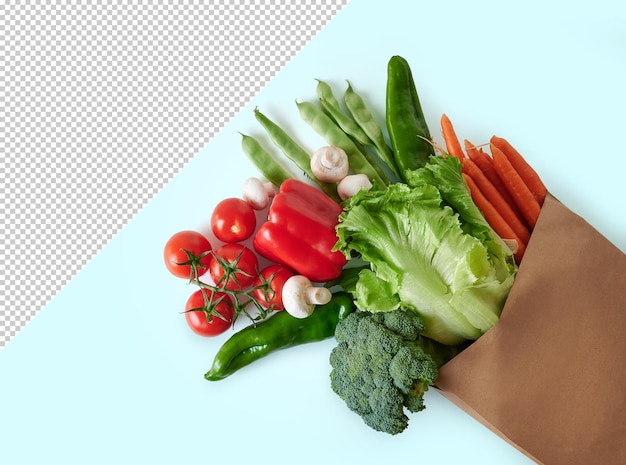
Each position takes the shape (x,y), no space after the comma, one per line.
(550,377)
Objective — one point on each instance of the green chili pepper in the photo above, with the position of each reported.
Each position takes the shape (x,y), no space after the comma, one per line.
(264,161)
(408,131)
(280,331)
(334,135)
(294,152)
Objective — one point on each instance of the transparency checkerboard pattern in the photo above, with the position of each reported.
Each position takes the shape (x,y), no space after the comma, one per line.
(79,155)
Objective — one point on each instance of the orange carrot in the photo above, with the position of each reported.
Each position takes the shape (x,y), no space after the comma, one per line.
(482,159)
(523,196)
(450,139)
(485,163)
(526,172)
(493,217)
(495,198)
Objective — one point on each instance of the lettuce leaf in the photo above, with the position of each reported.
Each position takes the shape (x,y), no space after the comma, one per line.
(430,251)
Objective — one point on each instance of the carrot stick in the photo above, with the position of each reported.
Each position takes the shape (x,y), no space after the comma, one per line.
(495,198)
(493,217)
(485,163)
(524,198)
(526,172)
(450,139)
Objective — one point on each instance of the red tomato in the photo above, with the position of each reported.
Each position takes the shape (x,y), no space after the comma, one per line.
(206,322)
(187,254)
(275,276)
(233,220)
(234,267)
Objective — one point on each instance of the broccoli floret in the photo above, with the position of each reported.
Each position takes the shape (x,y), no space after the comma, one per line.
(381,366)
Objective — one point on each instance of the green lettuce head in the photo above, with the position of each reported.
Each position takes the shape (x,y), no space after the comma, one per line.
(430,251)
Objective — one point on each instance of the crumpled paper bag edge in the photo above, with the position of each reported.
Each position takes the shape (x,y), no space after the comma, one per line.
(488,339)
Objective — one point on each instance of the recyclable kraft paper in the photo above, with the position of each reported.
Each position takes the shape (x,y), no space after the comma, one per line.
(550,377)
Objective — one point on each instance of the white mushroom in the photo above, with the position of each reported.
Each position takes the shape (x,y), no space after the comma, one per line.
(300,296)
(257,193)
(352,184)
(330,164)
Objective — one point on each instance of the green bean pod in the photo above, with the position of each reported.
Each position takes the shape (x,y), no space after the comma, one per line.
(347,124)
(264,161)
(325,92)
(294,152)
(280,331)
(332,108)
(364,118)
(408,131)
(334,135)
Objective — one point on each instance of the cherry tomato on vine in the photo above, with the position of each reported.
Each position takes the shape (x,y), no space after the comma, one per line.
(233,267)
(186,254)
(275,277)
(200,312)
(233,220)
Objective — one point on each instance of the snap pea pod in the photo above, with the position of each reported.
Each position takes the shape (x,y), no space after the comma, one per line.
(358,159)
(280,331)
(294,152)
(273,171)
(364,118)
(331,106)
(408,131)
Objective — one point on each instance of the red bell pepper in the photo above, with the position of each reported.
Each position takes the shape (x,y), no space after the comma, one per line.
(300,232)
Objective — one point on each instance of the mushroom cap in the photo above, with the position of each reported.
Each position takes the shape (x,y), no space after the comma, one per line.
(330,164)
(257,193)
(350,185)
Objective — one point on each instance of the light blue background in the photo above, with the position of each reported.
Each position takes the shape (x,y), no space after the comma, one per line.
(109,373)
